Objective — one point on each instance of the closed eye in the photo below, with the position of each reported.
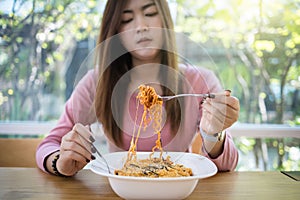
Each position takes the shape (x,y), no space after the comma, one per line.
(126,21)
(151,14)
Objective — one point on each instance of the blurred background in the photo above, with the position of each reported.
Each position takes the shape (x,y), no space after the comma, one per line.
(253,47)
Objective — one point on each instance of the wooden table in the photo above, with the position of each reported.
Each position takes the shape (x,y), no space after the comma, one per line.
(31,183)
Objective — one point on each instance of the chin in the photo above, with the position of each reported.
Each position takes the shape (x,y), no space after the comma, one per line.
(146,54)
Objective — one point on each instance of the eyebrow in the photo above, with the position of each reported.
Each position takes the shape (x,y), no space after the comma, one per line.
(143,7)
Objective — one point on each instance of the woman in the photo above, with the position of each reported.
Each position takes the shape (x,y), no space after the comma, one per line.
(137,46)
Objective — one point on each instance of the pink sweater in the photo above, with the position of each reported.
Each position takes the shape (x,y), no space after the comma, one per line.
(79,109)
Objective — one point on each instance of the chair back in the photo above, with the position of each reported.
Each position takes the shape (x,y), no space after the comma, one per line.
(17,152)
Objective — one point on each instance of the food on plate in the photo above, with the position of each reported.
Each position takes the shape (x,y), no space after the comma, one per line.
(154,168)
(151,167)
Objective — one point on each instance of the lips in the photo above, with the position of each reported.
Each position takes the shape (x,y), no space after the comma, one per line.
(144,39)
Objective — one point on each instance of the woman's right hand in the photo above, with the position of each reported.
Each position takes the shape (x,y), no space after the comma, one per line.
(75,150)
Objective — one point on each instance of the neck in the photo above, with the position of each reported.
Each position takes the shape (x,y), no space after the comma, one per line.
(147,74)
(138,61)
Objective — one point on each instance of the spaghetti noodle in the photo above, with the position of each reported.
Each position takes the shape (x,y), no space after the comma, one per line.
(152,112)
(152,167)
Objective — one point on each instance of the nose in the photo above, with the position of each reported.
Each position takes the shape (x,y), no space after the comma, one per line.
(141,24)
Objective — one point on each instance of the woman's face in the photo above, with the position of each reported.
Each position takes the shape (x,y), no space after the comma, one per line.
(141,31)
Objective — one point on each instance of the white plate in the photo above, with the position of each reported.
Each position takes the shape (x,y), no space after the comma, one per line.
(129,187)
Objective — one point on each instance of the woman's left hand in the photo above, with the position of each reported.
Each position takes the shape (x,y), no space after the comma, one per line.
(219,113)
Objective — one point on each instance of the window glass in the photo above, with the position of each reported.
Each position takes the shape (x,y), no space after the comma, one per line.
(252,47)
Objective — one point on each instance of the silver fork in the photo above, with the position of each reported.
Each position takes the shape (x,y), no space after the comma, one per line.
(207,95)
(101,156)
(96,151)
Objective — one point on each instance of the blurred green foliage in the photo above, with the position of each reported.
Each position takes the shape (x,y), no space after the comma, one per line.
(261,64)
(260,41)
(37,38)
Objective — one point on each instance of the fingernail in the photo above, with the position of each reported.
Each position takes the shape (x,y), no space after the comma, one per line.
(93,149)
(92,139)
(211,96)
(227,92)
(93,157)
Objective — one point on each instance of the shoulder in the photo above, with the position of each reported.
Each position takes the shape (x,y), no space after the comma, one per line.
(200,78)
(87,81)
(86,86)
(80,104)
(89,78)
(192,71)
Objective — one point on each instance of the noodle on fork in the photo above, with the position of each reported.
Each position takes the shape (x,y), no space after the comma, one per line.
(152,167)
(153,109)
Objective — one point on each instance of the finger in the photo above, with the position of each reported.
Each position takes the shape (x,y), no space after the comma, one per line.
(210,124)
(232,108)
(68,164)
(74,136)
(221,98)
(210,115)
(233,102)
(218,116)
(221,112)
(227,92)
(84,131)
(77,140)
(80,152)
(217,109)
(74,156)
(230,101)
